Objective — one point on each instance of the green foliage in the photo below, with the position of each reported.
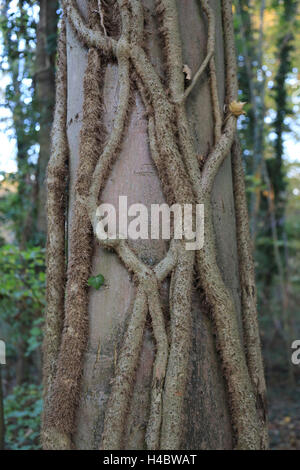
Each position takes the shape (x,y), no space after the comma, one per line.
(96,281)
(22,409)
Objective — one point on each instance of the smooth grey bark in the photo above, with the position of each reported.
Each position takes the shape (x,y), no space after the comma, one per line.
(207,414)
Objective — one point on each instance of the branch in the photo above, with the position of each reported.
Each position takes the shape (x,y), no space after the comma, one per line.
(218,155)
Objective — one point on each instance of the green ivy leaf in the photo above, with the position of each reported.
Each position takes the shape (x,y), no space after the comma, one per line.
(96,281)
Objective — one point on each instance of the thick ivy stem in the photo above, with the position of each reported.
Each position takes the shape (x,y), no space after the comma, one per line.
(66,388)
(147,295)
(159,369)
(212,69)
(117,408)
(248,290)
(89,37)
(181,334)
(56,257)
(110,152)
(211,280)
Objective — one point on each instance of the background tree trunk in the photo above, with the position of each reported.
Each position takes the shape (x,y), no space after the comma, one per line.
(207,423)
(45,94)
(2,424)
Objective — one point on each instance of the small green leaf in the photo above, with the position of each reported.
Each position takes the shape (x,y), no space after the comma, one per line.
(96,281)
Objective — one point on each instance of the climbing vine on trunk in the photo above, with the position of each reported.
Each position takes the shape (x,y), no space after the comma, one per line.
(117,34)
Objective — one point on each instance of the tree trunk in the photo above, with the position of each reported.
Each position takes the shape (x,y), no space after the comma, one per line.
(208,387)
(45,94)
